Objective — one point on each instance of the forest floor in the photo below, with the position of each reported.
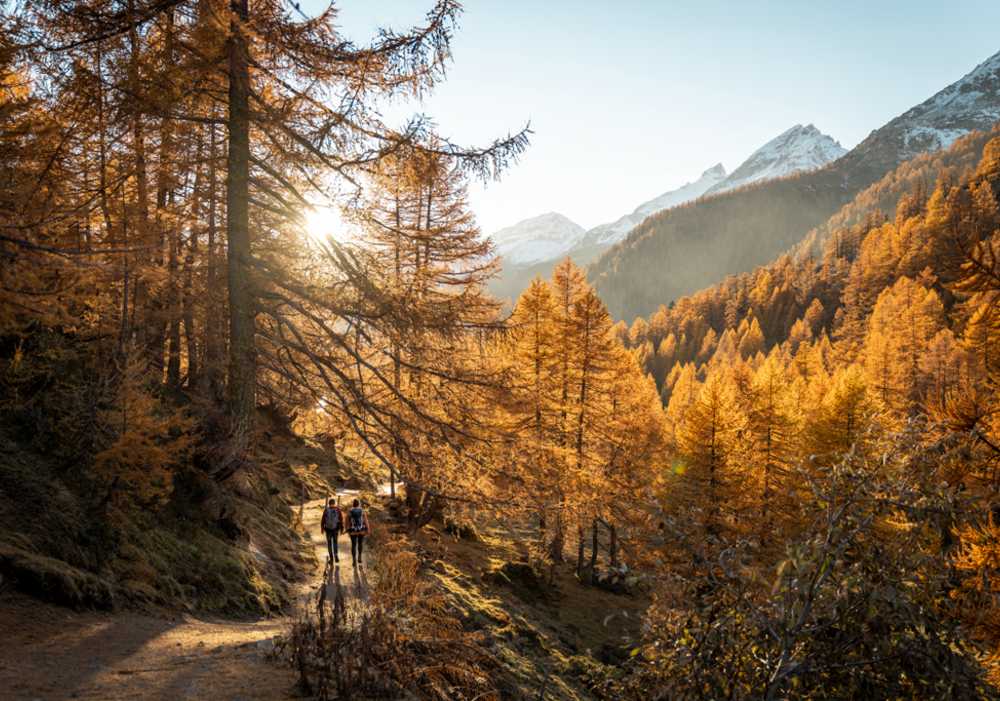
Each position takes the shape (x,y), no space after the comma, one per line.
(49,652)
(550,638)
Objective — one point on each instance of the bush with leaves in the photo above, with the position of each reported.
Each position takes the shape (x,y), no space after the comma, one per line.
(145,440)
(857,608)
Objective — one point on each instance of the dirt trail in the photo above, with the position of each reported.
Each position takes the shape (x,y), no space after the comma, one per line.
(48,652)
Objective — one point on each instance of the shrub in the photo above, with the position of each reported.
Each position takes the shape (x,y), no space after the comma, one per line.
(397,640)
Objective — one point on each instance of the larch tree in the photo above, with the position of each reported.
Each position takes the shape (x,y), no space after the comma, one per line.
(766,447)
(705,443)
(535,417)
(568,285)
(170,100)
(905,318)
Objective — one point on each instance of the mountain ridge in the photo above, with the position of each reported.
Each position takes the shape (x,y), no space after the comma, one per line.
(549,235)
(797,149)
(615,231)
(679,251)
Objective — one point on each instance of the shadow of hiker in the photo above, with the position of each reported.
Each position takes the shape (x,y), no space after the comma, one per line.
(361,584)
(331,591)
(339,607)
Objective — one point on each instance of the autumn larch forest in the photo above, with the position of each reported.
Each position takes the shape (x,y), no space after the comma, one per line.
(745,446)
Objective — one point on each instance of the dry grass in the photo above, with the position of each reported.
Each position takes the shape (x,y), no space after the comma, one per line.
(402,642)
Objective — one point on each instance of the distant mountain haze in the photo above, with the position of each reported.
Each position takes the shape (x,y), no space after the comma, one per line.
(684,249)
(617,230)
(532,247)
(540,238)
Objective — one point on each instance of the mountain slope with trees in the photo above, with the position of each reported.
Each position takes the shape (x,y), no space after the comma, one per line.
(867,368)
(159,297)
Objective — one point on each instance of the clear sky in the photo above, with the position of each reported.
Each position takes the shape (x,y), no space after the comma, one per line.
(629,99)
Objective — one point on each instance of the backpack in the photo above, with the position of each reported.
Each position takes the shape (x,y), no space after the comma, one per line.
(357,520)
(331,519)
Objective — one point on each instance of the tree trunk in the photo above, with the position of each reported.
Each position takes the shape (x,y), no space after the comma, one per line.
(141,226)
(613,546)
(190,256)
(212,341)
(173,312)
(123,331)
(594,545)
(242,352)
(167,319)
(558,543)
(581,548)
(422,508)
(187,304)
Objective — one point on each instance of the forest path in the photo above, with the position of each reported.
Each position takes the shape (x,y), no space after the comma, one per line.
(49,653)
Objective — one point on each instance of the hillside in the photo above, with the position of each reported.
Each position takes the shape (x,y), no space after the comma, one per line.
(780,294)
(861,378)
(613,232)
(265,433)
(679,251)
(684,249)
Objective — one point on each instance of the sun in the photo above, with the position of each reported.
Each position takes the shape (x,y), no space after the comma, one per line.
(323,223)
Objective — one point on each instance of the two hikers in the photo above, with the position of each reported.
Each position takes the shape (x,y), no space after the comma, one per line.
(356,524)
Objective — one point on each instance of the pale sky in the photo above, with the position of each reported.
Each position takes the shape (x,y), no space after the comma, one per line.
(630,99)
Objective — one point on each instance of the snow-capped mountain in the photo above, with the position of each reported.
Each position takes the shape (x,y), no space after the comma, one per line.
(973,102)
(552,236)
(615,231)
(740,230)
(545,237)
(797,149)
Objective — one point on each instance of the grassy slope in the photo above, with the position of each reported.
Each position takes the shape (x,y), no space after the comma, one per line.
(234,549)
(558,637)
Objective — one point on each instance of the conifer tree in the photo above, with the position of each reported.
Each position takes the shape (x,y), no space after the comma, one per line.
(905,319)
(843,417)
(767,445)
(705,441)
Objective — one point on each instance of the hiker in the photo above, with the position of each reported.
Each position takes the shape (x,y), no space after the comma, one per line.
(357,528)
(332,525)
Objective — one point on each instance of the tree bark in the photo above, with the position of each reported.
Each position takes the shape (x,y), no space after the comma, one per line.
(558,543)
(242,352)
(140,295)
(613,546)
(212,341)
(167,321)
(190,256)
(594,546)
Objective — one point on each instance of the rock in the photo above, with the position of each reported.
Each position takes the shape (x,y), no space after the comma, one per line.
(465,531)
(521,578)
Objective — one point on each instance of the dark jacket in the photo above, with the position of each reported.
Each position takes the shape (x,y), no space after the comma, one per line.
(333,519)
